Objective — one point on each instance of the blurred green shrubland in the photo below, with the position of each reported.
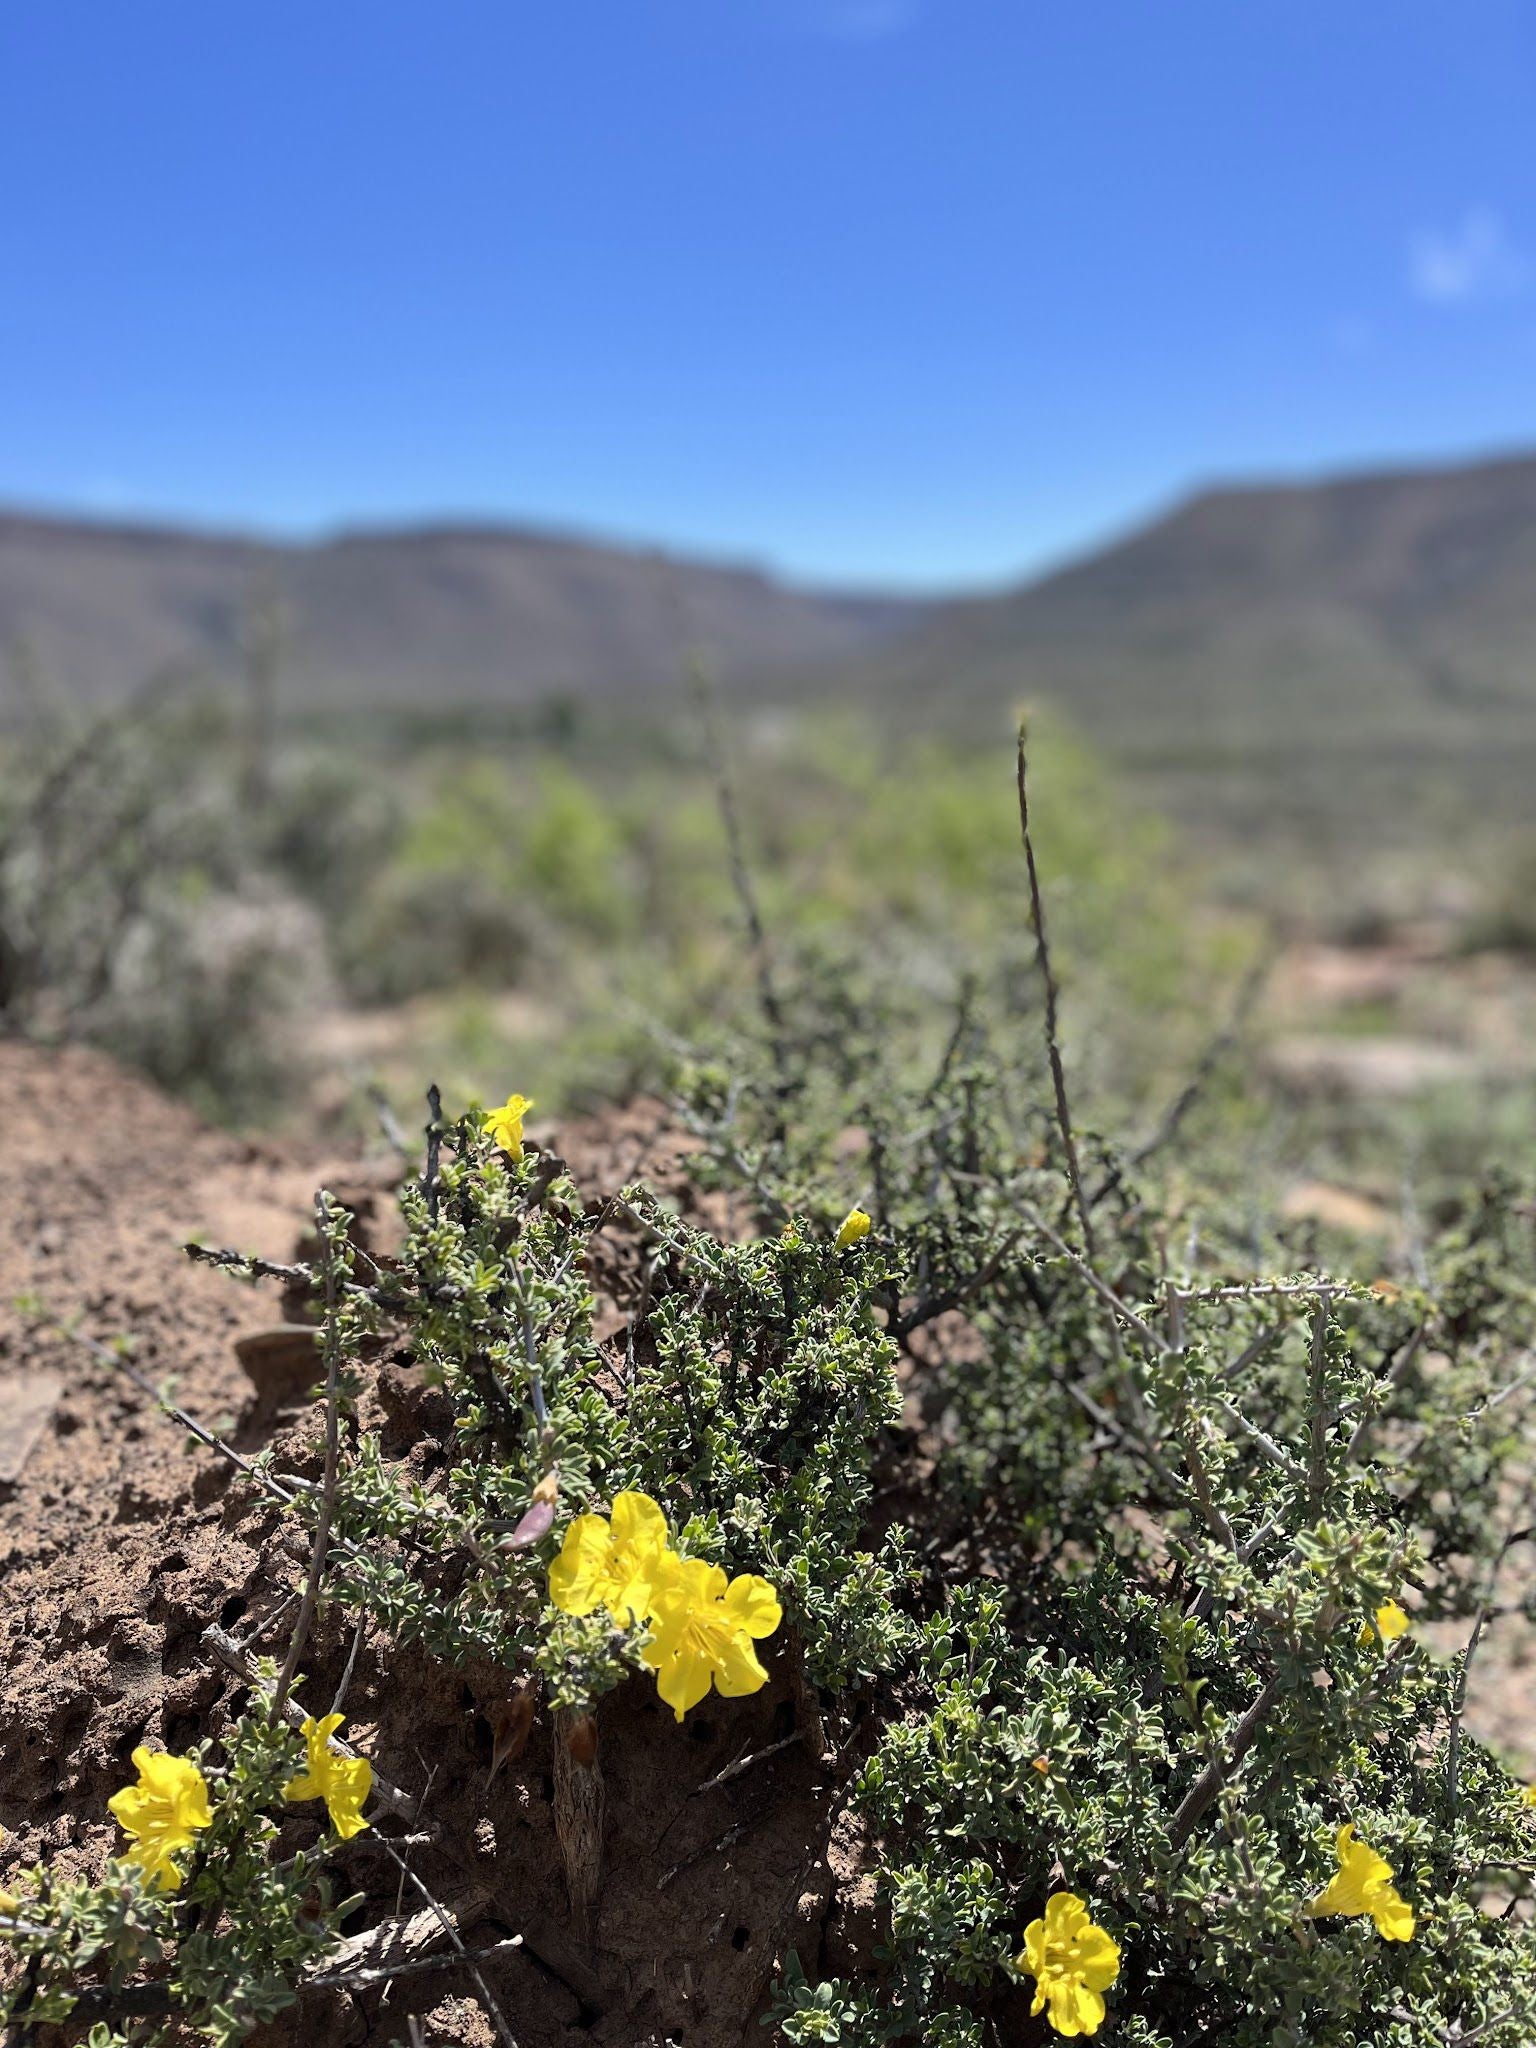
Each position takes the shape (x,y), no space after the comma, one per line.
(603,892)
(563,896)
(141,908)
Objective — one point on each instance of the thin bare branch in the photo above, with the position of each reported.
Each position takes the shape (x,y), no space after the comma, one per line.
(939,1304)
(1394,1379)
(1275,1453)
(741,874)
(106,1355)
(346,1677)
(327,1507)
(744,1764)
(1266,1290)
(388,1122)
(498,2018)
(360,1980)
(1216,1773)
(252,1266)
(1512,1534)
(1048,977)
(1252,1353)
(429,1181)
(1101,1287)
(1318,1418)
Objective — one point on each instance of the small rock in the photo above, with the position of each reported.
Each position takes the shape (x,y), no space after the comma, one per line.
(26,1409)
(282,1363)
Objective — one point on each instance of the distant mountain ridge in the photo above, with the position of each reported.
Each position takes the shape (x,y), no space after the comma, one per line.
(449,615)
(1382,613)
(1397,606)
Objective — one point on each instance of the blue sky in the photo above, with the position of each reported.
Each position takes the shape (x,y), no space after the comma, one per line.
(910,291)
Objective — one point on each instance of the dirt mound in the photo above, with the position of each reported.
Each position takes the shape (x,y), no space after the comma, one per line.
(104,1540)
(122,1542)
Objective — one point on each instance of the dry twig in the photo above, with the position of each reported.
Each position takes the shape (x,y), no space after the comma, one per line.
(327,1506)
(1052,1034)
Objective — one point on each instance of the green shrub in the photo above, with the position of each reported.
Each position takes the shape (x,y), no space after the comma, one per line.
(751,1414)
(136,913)
(1172,1480)
(224,1943)
(1131,1637)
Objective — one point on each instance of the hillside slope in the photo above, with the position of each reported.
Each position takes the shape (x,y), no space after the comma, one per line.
(1295,633)
(1393,607)
(442,615)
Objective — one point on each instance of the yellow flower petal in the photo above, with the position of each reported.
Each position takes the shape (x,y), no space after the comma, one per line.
(1391,1622)
(1393,1916)
(575,1577)
(612,1565)
(702,1627)
(504,1126)
(753,1605)
(351,1781)
(683,1678)
(1098,1957)
(1074,2009)
(161,1814)
(1073,1962)
(737,1671)
(855,1224)
(637,1520)
(1363,1884)
(161,1872)
(343,1782)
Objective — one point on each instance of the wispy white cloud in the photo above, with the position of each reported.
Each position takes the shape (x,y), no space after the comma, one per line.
(865,21)
(1475,260)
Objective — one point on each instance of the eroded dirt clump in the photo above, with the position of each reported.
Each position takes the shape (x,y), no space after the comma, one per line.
(123,1543)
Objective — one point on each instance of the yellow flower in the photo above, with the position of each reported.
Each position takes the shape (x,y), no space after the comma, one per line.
(1528,1796)
(853,1226)
(343,1782)
(702,1630)
(1363,1884)
(504,1126)
(611,1565)
(161,1813)
(1391,1622)
(1073,1963)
